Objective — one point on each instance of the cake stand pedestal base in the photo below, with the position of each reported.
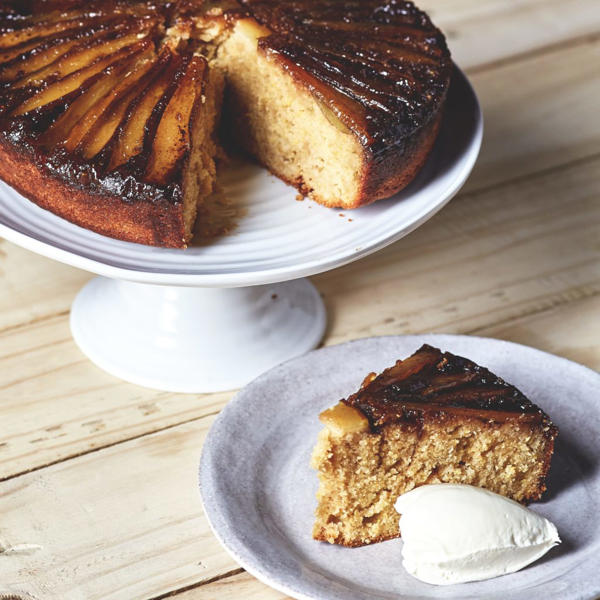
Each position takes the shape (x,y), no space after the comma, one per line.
(195,340)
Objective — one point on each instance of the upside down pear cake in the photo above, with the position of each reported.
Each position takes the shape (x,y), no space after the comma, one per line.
(432,418)
(109,109)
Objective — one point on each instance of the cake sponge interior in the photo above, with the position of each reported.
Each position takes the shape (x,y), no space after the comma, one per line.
(361,474)
(283,125)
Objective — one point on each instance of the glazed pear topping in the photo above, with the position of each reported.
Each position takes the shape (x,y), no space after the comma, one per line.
(437,381)
(381,64)
(100,93)
(341,419)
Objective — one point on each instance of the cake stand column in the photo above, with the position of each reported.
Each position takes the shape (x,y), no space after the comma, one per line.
(187,339)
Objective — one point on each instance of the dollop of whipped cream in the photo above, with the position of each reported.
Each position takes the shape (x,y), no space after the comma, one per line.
(459,533)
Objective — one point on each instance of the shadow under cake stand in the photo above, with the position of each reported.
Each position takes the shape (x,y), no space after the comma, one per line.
(213,317)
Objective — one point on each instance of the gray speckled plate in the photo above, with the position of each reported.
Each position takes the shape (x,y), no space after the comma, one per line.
(259,491)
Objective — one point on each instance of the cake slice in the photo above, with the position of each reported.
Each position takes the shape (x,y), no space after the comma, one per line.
(432,418)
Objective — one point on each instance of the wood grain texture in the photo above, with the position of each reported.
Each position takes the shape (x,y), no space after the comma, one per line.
(100,498)
(572,331)
(44,422)
(540,112)
(486,258)
(482,33)
(122,523)
(241,586)
(34,288)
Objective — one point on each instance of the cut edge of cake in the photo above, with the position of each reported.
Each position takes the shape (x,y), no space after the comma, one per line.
(120,137)
(279,121)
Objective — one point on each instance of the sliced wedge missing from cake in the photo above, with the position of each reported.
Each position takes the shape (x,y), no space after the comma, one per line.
(432,418)
(276,119)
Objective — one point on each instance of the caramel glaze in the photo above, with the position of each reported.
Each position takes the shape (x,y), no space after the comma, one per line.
(27,132)
(380,65)
(432,385)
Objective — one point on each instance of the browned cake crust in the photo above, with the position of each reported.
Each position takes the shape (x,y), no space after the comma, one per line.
(381,67)
(432,418)
(432,383)
(154,223)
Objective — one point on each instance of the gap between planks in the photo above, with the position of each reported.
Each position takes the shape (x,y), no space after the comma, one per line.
(525,177)
(35,321)
(588,38)
(195,586)
(111,444)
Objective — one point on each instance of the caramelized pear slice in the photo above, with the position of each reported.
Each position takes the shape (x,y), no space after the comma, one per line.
(40,53)
(88,27)
(112,108)
(78,58)
(74,123)
(342,419)
(118,83)
(93,10)
(101,134)
(59,15)
(23,65)
(130,138)
(409,366)
(172,139)
(75,80)
(59,132)
(10,53)
(37,30)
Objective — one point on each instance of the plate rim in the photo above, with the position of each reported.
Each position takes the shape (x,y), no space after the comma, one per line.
(210,503)
(462,169)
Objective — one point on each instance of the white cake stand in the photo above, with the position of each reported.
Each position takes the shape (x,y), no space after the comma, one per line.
(213,317)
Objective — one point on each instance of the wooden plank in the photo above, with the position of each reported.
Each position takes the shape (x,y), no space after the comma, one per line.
(122,523)
(237,587)
(572,332)
(487,258)
(55,403)
(125,522)
(480,33)
(539,113)
(33,287)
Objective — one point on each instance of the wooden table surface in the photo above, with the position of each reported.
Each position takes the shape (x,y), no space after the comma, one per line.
(98,478)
